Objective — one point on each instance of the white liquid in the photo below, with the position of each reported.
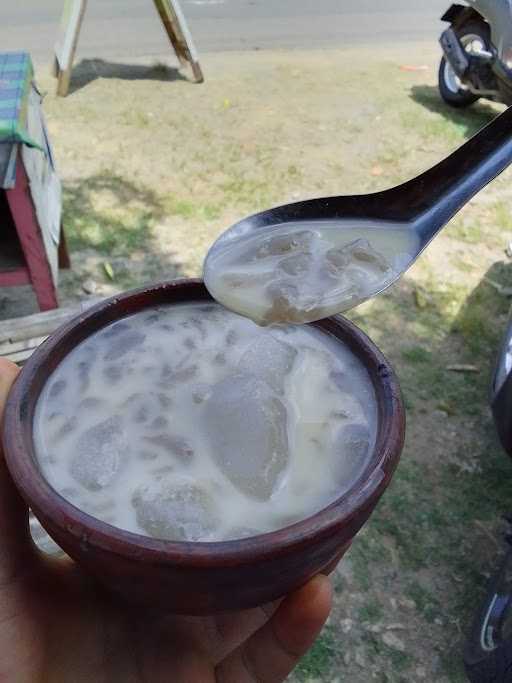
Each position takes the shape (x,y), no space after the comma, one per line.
(300,272)
(141,425)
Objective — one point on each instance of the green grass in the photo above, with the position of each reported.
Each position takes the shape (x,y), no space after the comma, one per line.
(372,611)
(109,214)
(317,662)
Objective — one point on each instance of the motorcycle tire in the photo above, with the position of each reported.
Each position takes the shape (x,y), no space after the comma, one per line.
(488,650)
(461,98)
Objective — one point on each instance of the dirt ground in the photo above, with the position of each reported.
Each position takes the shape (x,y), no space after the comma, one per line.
(154,167)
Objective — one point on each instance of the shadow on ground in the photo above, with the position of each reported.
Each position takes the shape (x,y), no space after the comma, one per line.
(89,70)
(109,220)
(470,119)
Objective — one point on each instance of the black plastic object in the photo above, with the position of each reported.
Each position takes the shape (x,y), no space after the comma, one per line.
(454,52)
(501,391)
(488,651)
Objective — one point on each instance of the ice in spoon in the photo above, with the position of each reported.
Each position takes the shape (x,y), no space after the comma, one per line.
(302,271)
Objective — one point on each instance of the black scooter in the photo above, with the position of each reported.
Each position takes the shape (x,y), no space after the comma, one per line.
(477,49)
(488,651)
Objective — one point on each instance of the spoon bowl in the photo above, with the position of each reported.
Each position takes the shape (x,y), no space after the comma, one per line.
(416,210)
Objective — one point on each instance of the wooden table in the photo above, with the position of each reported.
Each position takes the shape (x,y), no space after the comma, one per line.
(32,245)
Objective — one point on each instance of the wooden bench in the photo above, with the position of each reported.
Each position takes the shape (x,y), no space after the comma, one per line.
(19,337)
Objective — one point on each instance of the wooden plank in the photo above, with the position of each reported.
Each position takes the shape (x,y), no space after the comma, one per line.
(40,324)
(20,356)
(23,345)
(14,278)
(29,234)
(64,260)
(179,35)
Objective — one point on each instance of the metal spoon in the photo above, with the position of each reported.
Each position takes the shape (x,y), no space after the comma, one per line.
(422,205)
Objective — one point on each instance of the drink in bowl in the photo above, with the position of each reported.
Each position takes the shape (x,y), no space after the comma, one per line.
(191,460)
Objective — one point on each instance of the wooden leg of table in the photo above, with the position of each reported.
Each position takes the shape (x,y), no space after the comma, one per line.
(197,71)
(63,81)
(31,240)
(64,260)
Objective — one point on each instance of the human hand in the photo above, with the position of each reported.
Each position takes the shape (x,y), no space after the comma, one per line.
(56,626)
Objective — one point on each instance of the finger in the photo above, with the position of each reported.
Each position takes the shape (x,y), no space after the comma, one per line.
(273,651)
(219,635)
(15,540)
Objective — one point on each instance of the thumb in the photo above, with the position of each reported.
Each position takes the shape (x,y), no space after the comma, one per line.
(15,544)
(272,652)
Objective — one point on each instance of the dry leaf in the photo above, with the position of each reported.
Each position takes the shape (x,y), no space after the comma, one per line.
(461,367)
(107,267)
(412,67)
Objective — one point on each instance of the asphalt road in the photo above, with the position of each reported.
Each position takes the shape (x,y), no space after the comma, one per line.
(122,28)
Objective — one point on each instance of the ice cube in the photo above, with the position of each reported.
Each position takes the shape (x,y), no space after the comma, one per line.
(244,279)
(122,343)
(200,392)
(231,337)
(356,253)
(164,400)
(84,374)
(171,443)
(279,244)
(99,454)
(297,264)
(351,448)
(177,511)
(246,425)
(189,344)
(220,358)
(142,408)
(269,359)
(90,403)
(57,388)
(66,426)
(160,422)
(113,373)
(115,329)
(347,404)
(288,304)
(176,374)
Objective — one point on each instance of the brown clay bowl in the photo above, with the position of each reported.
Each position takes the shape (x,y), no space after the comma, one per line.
(197,578)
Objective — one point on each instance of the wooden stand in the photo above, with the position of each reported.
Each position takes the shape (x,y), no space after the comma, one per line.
(172,19)
(33,267)
(63,74)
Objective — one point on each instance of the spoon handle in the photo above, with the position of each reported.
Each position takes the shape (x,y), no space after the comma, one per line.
(436,195)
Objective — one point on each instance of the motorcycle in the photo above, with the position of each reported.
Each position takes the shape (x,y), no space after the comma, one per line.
(488,651)
(477,47)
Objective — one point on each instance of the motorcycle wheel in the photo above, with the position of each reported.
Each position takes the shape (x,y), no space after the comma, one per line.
(488,650)
(473,36)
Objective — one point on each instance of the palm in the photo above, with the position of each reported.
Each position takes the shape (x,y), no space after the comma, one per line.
(56,625)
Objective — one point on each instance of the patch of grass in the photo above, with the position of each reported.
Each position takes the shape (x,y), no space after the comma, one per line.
(259,192)
(417,354)
(135,118)
(471,232)
(426,603)
(190,209)
(371,611)
(502,217)
(400,661)
(367,548)
(108,214)
(317,662)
